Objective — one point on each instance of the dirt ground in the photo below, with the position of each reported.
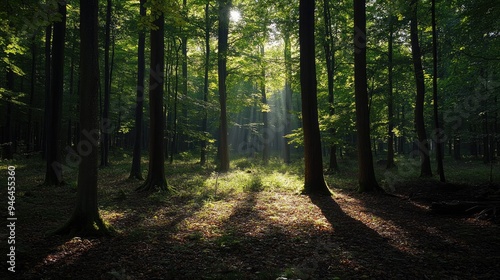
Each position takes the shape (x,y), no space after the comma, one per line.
(260,235)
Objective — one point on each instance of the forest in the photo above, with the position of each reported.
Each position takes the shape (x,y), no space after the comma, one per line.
(250,139)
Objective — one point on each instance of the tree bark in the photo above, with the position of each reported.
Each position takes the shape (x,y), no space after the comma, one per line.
(423,145)
(86,221)
(328,45)
(107,88)
(48,65)
(135,171)
(223,32)
(156,172)
(288,96)
(390,103)
(266,138)
(182,145)
(367,180)
(53,174)
(204,124)
(8,151)
(175,136)
(439,141)
(314,180)
(30,134)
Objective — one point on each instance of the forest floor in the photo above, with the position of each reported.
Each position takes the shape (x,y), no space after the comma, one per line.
(251,224)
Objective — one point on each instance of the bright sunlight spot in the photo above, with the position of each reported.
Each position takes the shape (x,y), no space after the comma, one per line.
(235,15)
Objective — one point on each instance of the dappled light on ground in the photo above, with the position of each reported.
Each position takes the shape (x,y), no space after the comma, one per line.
(250,224)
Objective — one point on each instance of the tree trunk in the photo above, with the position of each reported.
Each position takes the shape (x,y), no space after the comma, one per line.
(156,172)
(135,171)
(328,45)
(48,65)
(8,151)
(423,145)
(204,124)
(457,155)
(69,141)
(30,134)
(486,139)
(266,137)
(173,150)
(53,174)
(86,220)
(390,103)
(224,7)
(288,96)
(314,180)
(439,141)
(182,143)
(107,89)
(367,180)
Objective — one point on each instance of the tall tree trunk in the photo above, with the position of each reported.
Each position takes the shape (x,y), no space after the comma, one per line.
(223,32)
(86,220)
(390,103)
(457,155)
(48,74)
(486,139)
(439,141)
(135,171)
(314,180)
(204,124)
(182,145)
(367,180)
(423,145)
(8,151)
(329,47)
(156,172)
(71,89)
(53,175)
(266,137)
(288,95)
(175,136)
(30,134)
(105,121)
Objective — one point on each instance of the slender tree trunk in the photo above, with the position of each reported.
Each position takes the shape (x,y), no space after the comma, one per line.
(439,141)
(48,74)
(107,89)
(288,95)
(390,105)
(367,180)
(314,180)
(86,220)
(30,134)
(156,172)
(457,155)
(423,145)
(173,150)
(486,139)
(224,7)
(8,151)
(328,45)
(266,137)
(135,171)
(53,174)
(168,106)
(182,145)
(204,124)
(71,89)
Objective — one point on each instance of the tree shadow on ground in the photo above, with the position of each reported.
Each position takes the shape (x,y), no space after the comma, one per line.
(447,246)
(362,248)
